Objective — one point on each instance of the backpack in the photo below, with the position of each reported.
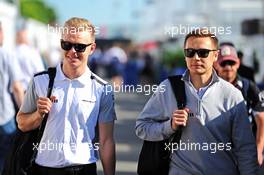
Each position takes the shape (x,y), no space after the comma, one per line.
(246,92)
(154,158)
(23,152)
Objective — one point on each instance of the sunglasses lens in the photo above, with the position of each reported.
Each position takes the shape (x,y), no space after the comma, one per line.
(203,53)
(80,47)
(189,52)
(66,45)
(225,63)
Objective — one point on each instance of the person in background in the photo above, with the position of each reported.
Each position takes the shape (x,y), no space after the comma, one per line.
(116,59)
(10,84)
(227,67)
(29,58)
(243,70)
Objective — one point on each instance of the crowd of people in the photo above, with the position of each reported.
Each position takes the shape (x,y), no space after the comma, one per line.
(223,105)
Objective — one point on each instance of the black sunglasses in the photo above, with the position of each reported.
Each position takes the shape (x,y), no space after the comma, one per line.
(229,62)
(202,53)
(78,47)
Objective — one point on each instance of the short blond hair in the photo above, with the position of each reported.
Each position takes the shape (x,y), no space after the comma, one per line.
(79,25)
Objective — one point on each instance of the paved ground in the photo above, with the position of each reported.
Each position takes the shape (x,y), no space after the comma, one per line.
(128,146)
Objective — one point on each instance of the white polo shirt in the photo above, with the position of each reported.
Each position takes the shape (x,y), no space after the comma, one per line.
(70,136)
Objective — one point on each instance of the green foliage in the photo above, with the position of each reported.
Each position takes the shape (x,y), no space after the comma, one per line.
(37,10)
(173,58)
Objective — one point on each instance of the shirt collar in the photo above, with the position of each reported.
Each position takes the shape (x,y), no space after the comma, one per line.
(186,77)
(83,79)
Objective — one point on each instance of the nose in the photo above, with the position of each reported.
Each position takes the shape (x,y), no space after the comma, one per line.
(196,56)
(228,67)
(72,50)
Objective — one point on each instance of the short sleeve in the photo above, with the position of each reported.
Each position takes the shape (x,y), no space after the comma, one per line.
(29,104)
(107,110)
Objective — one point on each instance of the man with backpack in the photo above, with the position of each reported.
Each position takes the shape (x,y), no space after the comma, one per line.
(81,111)
(227,67)
(216,137)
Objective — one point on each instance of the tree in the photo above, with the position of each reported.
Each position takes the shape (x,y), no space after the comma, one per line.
(38,10)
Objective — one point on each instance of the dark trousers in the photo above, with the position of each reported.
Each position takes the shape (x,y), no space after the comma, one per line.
(89,169)
(7,132)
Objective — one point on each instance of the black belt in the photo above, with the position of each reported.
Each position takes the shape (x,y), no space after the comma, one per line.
(70,170)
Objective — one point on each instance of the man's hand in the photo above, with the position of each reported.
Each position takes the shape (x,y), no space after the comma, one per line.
(259,118)
(29,121)
(107,147)
(179,118)
(43,105)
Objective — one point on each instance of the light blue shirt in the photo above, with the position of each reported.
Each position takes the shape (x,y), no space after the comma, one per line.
(9,72)
(200,92)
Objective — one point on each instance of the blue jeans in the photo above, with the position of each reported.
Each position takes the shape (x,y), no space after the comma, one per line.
(7,132)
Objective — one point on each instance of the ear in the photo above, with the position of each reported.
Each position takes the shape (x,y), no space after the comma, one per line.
(215,59)
(238,64)
(216,66)
(93,47)
(216,55)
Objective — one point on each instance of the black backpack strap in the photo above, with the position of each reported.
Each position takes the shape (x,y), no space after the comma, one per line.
(249,95)
(178,88)
(245,87)
(52,74)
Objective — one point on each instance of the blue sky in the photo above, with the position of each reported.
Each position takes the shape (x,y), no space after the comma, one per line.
(99,12)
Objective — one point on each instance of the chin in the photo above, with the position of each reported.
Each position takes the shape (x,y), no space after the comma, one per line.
(198,71)
(74,65)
